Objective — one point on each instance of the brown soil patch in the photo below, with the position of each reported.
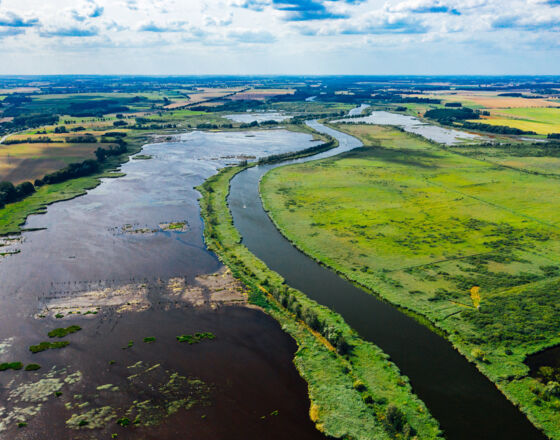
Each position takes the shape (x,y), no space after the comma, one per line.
(213,290)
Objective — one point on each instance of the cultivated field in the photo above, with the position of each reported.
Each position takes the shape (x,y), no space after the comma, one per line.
(471,245)
(261,94)
(539,120)
(491,100)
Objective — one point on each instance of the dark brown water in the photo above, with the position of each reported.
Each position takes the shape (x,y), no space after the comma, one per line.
(246,371)
(467,405)
(546,358)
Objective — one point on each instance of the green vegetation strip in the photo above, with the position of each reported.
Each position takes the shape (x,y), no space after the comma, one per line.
(469,244)
(355,391)
(62,332)
(196,338)
(11,366)
(32,367)
(47,346)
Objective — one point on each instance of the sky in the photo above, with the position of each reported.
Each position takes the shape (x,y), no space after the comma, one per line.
(311,37)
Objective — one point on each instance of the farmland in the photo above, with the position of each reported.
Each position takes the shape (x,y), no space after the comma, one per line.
(422,226)
(539,120)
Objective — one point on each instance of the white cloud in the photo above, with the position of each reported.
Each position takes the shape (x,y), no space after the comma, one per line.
(241,27)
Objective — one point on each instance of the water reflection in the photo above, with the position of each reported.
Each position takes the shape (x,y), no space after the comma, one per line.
(413,125)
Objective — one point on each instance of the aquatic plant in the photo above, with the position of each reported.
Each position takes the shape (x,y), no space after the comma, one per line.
(11,366)
(62,332)
(149,339)
(196,338)
(47,345)
(123,421)
(32,367)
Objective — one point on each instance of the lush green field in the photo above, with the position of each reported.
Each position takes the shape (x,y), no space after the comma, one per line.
(422,226)
(538,158)
(356,392)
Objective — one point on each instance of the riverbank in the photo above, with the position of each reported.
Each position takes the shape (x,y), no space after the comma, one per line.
(419,226)
(355,391)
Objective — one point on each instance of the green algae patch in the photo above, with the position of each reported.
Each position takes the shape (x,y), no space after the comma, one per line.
(149,339)
(158,393)
(174,226)
(196,338)
(32,367)
(93,419)
(62,332)
(129,345)
(11,366)
(108,387)
(48,346)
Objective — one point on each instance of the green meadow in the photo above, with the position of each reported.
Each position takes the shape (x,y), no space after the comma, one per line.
(461,239)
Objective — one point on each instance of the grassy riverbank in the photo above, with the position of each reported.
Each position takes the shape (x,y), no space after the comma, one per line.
(471,245)
(14,215)
(355,391)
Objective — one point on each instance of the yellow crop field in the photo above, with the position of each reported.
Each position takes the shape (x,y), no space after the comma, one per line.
(539,120)
(491,100)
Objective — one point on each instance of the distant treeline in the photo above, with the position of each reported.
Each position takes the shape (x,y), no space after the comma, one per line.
(37,140)
(87,138)
(554,136)
(292,155)
(536,149)
(520,95)
(31,121)
(152,126)
(398,99)
(230,106)
(300,119)
(448,115)
(499,129)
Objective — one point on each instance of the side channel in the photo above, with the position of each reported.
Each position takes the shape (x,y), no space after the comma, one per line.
(467,405)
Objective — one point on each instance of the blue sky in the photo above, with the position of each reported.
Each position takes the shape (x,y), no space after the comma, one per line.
(280,37)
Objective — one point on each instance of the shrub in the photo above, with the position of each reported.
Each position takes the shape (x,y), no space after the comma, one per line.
(552,389)
(394,418)
(478,354)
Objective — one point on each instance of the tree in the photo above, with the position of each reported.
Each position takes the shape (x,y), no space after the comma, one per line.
(8,193)
(100,154)
(24,189)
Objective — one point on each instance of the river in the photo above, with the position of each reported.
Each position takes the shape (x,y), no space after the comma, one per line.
(465,402)
(414,125)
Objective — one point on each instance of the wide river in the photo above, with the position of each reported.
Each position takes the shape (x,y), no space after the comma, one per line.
(467,404)
(111,239)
